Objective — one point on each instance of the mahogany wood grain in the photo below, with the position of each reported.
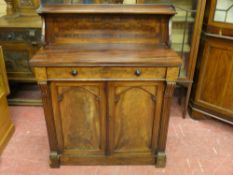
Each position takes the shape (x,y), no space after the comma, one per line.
(141,24)
(105,55)
(134,112)
(49,118)
(214,89)
(168,94)
(100,28)
(108,9)
(133,159)
(106,73)
(103,72)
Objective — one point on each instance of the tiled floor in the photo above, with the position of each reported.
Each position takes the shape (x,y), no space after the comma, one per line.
(193,148)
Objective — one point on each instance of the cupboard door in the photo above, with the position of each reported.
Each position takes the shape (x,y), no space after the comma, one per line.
(79,112)
(215,82)
(134,116)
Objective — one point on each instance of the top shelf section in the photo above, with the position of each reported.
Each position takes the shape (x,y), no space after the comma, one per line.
(107,8)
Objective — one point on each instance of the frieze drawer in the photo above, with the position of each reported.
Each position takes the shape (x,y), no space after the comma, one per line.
(137,73)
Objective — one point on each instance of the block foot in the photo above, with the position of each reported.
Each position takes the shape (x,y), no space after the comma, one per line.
(161,160)
(54,160)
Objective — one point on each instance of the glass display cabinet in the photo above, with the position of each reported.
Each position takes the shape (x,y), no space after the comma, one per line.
(219,19)
(223,13)
(212,94)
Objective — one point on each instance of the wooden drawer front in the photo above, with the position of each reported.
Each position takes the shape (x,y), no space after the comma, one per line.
(109,73)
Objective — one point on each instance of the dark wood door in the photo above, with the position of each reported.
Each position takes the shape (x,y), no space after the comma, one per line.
(79,112)
(215,82)
(134,116)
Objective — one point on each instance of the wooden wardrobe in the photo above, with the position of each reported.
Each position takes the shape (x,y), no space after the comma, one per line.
(212,94)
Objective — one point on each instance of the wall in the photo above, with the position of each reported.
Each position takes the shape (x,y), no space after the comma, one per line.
(2,7)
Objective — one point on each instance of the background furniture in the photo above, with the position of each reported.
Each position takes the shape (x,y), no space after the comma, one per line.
(6,125)
(104,72)
(2,8)
(20,34)
(212,94)
(185,38)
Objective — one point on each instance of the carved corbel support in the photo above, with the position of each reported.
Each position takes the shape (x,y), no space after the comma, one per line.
(41,77)
(47,103)
(168,94)
(170,86)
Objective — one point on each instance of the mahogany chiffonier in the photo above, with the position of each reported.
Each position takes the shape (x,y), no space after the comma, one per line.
(107,75)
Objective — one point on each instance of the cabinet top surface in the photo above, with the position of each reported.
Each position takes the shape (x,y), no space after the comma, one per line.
(109,9)
(105,55)
(21,22)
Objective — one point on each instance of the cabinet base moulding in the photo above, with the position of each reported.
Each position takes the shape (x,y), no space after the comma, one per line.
(158,160)
(199,114)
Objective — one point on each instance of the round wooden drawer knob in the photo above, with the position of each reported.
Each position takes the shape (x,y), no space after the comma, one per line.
(74,72)
(138,72)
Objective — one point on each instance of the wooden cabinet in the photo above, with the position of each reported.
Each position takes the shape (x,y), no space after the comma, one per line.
(6,125)
(17,52)
(83,128)
(107,78)
(212,94)
(20,35)
(107,121)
